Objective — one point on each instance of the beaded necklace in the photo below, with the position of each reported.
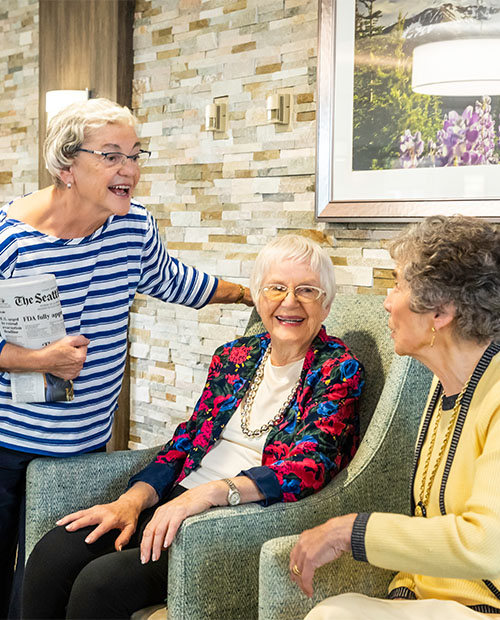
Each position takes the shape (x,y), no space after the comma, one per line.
(249,398)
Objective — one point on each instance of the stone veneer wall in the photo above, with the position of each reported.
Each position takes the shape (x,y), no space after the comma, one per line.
(18,97)
(218,201)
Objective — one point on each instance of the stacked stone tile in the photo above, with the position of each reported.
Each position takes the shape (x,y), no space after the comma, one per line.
(18,97)
(217,200)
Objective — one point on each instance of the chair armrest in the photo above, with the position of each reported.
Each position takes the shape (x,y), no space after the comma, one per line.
(281,599)
(58,486)
(216,552)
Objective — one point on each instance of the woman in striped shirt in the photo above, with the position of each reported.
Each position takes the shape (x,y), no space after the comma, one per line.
(102,248)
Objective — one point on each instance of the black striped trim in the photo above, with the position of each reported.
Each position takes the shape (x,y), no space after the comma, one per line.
(492,588)
(484,609)
(358,536)
(406,593)
(482,365)
(420,441)
(402,592)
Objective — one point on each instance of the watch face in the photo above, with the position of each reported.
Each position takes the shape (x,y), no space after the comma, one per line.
(234,498)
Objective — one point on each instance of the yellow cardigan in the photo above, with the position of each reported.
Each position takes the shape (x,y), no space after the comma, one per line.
(454,553)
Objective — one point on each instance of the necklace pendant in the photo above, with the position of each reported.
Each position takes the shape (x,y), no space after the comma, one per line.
(420,510)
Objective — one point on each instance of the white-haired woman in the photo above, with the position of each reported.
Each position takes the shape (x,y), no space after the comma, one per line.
(277,419)
(444,311)
(103,248)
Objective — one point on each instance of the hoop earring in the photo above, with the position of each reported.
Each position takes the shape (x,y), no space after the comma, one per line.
(68,185)
(433,330)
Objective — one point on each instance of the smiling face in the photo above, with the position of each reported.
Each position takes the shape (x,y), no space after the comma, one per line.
(98,186)
(291,323)
(411,331)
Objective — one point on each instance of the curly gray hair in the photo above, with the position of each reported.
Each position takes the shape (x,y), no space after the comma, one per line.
(454,260)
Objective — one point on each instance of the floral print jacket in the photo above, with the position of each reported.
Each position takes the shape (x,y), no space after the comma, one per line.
(317,437)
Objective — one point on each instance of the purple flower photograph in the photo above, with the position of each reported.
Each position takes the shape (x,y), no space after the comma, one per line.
(400,123)
(409,109)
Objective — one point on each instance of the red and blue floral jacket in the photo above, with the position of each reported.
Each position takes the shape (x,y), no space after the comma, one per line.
(316,438)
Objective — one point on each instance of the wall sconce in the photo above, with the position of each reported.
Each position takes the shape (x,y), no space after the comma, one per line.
(278,109)
(215,117)
(57,100)
(457,67)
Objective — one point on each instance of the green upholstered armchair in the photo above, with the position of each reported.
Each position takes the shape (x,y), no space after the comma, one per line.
(377,479)
(214,561)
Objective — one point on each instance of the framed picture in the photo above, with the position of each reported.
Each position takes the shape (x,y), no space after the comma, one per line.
(384,151)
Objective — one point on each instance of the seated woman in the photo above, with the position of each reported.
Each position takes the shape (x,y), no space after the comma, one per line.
(276,421)
(444,311)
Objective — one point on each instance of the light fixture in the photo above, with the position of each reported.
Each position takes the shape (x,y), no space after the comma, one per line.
(215,117)
(278,109)
(457,67)
(56,100)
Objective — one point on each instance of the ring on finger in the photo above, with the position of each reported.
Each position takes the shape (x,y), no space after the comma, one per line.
(296,570)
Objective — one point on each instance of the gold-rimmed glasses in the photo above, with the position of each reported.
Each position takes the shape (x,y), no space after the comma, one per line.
(305,293)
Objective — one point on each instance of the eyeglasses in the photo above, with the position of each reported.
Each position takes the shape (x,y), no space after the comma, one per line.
(304,293)
(116,159)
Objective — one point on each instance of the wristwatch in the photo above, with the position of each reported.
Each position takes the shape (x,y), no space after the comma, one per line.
(233,496)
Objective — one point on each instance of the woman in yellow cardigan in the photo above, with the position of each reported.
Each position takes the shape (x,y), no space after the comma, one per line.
(444,311)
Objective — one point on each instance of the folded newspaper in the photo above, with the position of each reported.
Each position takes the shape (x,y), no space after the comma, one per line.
(31,317)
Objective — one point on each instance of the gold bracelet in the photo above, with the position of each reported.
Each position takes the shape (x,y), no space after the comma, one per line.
(241,294)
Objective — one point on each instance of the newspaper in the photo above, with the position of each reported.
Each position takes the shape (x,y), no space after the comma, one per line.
(31,317)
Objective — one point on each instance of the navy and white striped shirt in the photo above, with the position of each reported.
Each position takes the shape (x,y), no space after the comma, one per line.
(97,277)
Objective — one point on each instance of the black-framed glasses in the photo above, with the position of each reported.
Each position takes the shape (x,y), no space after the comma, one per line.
(116,159)
(304,292)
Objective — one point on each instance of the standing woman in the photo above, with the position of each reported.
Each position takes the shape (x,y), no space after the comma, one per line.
(103,248)
(445,312)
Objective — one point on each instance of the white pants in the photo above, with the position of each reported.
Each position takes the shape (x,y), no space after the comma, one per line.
(360,607)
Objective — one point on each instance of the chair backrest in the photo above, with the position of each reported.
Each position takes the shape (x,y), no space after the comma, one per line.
(361,322)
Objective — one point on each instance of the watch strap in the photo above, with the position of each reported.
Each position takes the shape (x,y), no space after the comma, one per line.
(231,485)
(233,490)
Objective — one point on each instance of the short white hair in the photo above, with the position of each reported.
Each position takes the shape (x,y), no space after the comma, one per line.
(300,250)
(69,128)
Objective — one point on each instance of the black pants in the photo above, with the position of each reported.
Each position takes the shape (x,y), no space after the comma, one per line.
(12,487)
(13,465)
(67,578)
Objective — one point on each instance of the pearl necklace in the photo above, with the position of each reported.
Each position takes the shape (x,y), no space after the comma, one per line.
(250,397)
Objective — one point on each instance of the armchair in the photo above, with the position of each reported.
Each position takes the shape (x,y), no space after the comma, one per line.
(377,479)
(214,560)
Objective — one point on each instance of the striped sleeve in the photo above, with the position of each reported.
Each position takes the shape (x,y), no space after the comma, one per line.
(8,256)
(169,279)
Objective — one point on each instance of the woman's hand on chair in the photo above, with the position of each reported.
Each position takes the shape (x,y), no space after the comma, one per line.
(162,528)
(318,546)
(122,514)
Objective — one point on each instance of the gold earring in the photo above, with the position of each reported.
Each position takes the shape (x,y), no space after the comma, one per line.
(433,330)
